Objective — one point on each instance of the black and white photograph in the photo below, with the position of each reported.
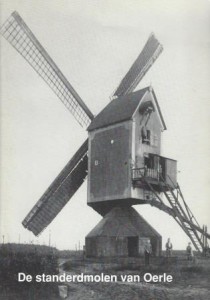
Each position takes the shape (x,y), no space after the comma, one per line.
(105,152)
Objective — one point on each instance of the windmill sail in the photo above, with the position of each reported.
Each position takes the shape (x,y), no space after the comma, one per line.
(59,192)
(17,33)
(144,61)
(72,176)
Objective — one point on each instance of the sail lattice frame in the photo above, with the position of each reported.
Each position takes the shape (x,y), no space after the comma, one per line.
(17,33)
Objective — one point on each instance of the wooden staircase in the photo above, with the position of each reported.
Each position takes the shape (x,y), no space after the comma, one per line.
(186,219)
(180,211)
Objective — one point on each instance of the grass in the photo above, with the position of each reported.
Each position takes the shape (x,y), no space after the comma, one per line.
(29,259)
(190,276)
(29,292)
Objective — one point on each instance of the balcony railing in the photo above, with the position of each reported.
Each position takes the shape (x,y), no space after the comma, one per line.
(138,173)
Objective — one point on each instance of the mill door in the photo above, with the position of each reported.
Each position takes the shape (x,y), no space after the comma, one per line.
(132,246)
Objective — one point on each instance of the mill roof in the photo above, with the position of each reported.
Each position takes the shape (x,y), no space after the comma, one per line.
(123,221)
(121,109)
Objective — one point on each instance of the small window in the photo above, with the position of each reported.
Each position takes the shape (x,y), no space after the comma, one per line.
(146,136)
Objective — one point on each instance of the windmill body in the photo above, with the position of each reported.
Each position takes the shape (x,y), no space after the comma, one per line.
(125,141)
(124,146)
(122,156)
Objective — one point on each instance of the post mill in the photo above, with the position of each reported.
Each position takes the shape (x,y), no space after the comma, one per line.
(122,157)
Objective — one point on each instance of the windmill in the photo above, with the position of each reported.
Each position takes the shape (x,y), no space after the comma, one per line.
(121,156)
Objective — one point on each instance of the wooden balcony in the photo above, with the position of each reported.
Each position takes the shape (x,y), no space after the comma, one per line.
(162,174)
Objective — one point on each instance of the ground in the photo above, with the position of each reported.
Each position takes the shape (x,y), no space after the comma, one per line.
(190,280)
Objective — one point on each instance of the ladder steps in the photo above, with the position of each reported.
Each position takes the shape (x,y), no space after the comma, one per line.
(181,212)
(173,199)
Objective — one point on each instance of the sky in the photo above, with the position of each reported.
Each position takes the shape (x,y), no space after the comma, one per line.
(94,43)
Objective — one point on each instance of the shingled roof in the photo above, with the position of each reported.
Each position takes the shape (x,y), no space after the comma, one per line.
(121,109)
(123,221)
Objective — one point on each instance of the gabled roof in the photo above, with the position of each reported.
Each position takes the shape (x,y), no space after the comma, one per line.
(123,221)
(121,109)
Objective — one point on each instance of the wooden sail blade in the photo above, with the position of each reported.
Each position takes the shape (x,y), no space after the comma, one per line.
(17,33)
(144,61)
(59,192)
